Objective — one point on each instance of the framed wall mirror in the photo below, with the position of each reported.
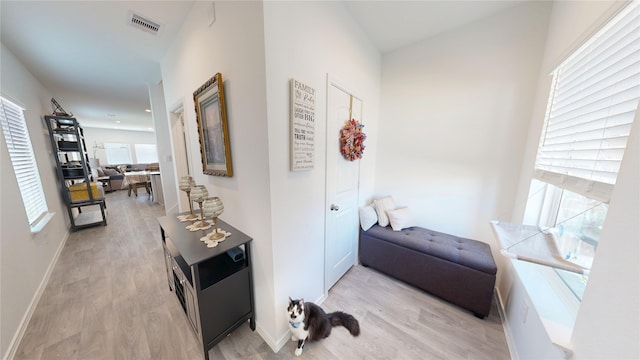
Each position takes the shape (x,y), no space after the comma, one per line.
(213,129)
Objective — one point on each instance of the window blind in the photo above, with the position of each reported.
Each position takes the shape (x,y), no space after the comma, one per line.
(18,142)
(118,153)
(592,105)
(146,153)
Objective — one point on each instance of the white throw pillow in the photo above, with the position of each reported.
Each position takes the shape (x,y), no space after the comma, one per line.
(368,217)
(382,206)
(400,218)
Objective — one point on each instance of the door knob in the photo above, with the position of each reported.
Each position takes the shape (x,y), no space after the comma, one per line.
(334,207)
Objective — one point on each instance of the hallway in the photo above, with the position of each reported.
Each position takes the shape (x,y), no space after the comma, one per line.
(108,299)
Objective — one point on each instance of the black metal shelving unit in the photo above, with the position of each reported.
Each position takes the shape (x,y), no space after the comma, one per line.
(74,173)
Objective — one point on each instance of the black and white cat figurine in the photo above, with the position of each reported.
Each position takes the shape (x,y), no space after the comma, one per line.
(308,321)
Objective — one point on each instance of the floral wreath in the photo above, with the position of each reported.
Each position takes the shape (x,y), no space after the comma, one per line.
(351,140)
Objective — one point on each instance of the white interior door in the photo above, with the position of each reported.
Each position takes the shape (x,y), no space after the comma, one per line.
(341,233)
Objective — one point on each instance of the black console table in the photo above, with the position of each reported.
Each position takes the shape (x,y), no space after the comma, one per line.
(214,289)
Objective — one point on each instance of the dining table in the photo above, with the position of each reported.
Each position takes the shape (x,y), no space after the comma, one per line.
(135,179)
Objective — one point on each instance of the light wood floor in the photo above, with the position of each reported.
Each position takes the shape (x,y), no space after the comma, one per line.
(108,299)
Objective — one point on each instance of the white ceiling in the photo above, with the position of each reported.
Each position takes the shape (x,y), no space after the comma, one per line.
(98,67)
(92,61)
(394,24)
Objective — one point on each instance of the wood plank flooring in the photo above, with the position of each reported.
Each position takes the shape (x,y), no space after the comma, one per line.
(108,299)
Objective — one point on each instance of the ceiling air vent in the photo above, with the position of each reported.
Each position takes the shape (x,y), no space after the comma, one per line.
(143,23)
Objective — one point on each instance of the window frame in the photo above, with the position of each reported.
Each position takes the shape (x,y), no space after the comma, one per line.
(556,160)
(543,209)
(20,148)
(545,201)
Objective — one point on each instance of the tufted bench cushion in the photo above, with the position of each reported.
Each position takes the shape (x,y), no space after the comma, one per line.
(456,269)
(467,252)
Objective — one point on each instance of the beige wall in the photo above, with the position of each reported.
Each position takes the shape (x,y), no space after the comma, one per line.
(257,53)
(308,41)
(234,47)
(26,259)
(455,111)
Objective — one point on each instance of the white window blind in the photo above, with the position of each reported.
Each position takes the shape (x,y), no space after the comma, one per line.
(18,142)
(591,108)
(146,153)
(118,153)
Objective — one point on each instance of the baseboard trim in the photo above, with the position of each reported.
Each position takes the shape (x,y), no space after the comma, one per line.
(276,346)
(511,344)
(171,209)
(263,334)
(284,339)
(17,337)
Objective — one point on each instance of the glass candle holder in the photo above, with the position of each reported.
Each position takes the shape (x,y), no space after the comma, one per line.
(185,184)
(198,194)
(213,207)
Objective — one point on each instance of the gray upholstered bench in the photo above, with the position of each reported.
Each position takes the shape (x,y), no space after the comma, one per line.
(458,270)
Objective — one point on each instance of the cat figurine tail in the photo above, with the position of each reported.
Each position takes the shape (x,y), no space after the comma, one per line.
(307,321)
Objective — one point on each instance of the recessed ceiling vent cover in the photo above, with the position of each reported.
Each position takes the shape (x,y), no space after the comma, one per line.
(142,23)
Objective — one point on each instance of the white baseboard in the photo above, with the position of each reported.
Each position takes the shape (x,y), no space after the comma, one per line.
(173,209)
(511,344)
(17,337)
(274,345)
(321,299)
(284,338)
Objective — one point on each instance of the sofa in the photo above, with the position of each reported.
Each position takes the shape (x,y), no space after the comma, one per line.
(115,177)
(116,172)
(461,271)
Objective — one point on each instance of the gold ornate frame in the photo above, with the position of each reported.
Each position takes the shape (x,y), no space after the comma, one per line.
(213,130)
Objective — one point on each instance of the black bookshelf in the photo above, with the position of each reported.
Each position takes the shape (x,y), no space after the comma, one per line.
(74,173)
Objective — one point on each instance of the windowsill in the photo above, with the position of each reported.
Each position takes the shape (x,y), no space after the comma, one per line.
(554,303)
(39,226)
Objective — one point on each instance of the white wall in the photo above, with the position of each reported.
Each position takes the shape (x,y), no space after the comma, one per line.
(607,325)
(281,210)
(26,259)
(165,150)
(99,136)
(307,41)
(233,46)
(455,110)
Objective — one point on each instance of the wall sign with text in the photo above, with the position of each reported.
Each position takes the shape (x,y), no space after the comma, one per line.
(303,116)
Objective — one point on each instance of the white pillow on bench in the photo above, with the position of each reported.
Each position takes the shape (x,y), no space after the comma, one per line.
(368,217)
(382,206)
(400,218)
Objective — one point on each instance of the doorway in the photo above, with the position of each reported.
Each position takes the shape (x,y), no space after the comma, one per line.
(181,156)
